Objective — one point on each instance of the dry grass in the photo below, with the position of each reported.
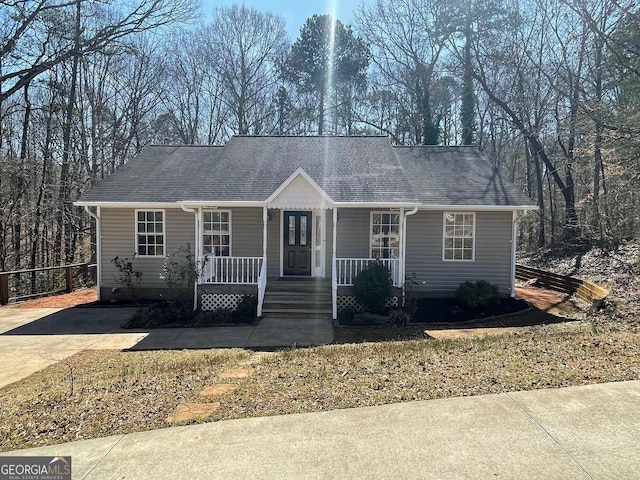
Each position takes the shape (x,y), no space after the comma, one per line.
(119,392)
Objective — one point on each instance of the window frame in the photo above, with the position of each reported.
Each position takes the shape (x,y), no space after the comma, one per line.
(137,233)
(453,249)
(371,216)
(230,234)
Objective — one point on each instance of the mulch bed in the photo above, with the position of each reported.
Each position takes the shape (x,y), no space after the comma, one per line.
(449,310)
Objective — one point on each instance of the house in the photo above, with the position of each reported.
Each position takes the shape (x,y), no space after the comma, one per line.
(264,209)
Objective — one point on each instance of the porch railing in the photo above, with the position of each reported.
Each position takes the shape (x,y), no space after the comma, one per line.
(262,287)
(347,269)
(232,270)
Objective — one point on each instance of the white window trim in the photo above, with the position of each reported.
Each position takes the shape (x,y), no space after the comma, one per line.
(383,212)
(444,233)
(202,234)
(164,231)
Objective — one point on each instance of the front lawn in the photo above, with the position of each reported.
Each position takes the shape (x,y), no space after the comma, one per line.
(98,393)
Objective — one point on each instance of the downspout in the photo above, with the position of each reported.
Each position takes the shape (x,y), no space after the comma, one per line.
(196,253)
(514,234)
(96,216)
(404,250)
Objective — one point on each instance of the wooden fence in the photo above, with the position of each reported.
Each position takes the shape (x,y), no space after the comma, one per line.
(38,282)
(584,289)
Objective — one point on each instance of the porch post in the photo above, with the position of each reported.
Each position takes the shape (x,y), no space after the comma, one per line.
(334,273)
(514,237)
(401,248)
(265,218)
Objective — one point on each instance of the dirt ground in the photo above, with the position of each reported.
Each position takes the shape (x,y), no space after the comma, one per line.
(545,300)
(65,300)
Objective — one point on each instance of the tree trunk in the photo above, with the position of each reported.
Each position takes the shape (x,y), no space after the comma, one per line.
(62,217)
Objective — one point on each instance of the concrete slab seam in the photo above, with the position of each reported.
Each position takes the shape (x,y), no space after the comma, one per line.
(533,419)
(104,456)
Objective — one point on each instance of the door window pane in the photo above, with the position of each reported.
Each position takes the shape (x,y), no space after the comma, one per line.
(303,230)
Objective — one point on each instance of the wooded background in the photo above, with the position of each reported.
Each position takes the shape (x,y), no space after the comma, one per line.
(548,89)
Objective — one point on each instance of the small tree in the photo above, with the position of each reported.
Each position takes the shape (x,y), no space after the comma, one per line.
(373,287)
(127,276)
(181,271)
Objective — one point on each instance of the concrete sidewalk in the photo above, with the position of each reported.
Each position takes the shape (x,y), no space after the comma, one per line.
(588,432)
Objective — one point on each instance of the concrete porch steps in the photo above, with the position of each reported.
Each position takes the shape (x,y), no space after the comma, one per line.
(299,297)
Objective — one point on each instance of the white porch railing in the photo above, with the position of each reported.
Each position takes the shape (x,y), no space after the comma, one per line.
(347,269)
(232,270)
(262,287)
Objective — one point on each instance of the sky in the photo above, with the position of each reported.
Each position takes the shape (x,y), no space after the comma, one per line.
(295,12)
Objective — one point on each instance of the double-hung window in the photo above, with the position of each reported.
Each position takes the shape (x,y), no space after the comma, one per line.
(459,236)
(216,235)
(150,233)
(385,235)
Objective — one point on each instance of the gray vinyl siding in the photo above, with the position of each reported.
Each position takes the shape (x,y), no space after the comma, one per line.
(436,277)
(246,232)
(273,244)
(329,244)
(118,240)
(353,233)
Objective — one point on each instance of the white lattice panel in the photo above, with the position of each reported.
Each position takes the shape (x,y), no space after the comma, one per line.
(349,302)
(216,301)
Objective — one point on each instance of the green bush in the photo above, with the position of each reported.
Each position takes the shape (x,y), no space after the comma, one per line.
(247,309)
(476,294)
(215,317)
(373,287)
(160,315)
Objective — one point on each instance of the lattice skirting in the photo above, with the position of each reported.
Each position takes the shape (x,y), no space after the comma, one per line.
(349,302)
(215,301)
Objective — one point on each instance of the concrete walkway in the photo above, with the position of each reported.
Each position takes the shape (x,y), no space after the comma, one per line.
(34,338)
(588,432)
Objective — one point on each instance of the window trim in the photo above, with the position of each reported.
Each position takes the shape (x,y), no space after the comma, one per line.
(215,210)
(383,212)
(164,231)
(444,237)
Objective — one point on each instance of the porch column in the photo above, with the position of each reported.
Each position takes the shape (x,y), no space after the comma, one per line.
(334,273)
(265,218)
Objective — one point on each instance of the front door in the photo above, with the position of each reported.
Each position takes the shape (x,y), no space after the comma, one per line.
(297,243)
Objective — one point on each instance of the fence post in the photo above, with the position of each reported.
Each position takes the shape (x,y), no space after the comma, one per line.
(85,273)
(4,288)
(69,278)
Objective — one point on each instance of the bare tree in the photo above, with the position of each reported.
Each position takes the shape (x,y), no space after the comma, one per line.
(245,47)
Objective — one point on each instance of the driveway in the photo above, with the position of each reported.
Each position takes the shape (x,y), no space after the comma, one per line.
(34,338)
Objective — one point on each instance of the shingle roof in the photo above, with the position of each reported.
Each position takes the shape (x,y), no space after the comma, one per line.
(441,175)
(348,169)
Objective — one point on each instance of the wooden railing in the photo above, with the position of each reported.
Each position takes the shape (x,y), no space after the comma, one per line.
(347,269)
(38,282)
(584,289)
(231,270)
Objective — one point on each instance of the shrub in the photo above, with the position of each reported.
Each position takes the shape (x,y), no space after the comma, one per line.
(373,287)
(247,309)
(345,316)
(159,315)
(214,317)
(127,276)
(476,294)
